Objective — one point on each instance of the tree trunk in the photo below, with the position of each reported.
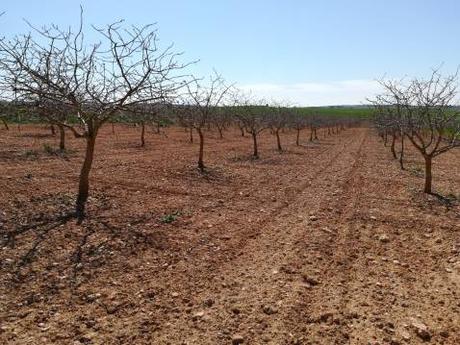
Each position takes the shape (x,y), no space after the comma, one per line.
(5,124)
(393,142)
(242,131)
(83,186)
(278,141)
(158,127)
(297,138)
(142,134)
(254,140)
(220,133)
(191,134)
(316,134)
(113,128)
(53,130)
(428,176)
(401,154)
(311,134)
(200,155)
(61,138)
(385,139)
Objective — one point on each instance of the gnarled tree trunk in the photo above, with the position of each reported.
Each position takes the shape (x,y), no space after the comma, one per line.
(142,134)
(428,175)
(201,152)
(393,142)
(61,138)
(5,124)
(83,186)
(278,140)
(254,140)
(401,154)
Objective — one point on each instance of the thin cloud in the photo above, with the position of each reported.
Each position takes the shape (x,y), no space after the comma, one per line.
(317,94)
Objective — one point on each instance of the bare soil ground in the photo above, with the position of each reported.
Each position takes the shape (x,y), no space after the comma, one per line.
(327,243)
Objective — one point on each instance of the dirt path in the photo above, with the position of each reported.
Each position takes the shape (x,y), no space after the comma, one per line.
(260,286)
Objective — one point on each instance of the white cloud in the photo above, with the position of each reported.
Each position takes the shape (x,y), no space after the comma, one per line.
(317,94)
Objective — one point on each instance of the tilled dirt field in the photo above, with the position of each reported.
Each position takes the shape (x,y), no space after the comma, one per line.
(326,243)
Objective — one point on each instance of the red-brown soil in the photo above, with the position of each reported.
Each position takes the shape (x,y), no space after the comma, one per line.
(326,243)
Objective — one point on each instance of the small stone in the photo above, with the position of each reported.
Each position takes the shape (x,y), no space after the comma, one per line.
(444,334)
(235,310)
(405,335)
(175,294)
(310,280)
(313,218)
(209,302)
(237,339)
(269,310)
(373,217)
(384,238)
(198,315)
(421,330)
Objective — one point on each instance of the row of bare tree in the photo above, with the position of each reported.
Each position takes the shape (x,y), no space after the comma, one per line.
(423,112)
(78,86)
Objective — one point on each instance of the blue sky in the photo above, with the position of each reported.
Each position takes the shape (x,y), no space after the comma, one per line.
(308,52)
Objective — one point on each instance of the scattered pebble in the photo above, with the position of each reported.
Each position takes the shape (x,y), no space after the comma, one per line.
(421,329)
(384,238)
(237,339)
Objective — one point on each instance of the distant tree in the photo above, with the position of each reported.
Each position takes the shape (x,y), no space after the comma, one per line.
(297,121)
(205,101)
(253,117)
(277,120)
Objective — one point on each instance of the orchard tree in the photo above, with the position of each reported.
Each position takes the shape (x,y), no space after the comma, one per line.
(253,117)
(297,121)
(92,81)
(205,101)
(277,120)
(429,116)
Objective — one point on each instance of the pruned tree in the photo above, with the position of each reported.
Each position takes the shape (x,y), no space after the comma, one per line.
(253,117)
(221,119)
(144,114)
(425,112)
(277,120)
(4,112)
(204,101)
(297,121)
(313,121)
(91,81)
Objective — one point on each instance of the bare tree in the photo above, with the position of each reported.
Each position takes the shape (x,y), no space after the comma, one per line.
(93,81)
(277,120)
(253,117)
(205,102)
(426,114)
(297,121)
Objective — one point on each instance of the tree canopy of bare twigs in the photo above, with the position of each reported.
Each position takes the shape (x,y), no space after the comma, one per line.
(203,108)
(54,68)
(424,111)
